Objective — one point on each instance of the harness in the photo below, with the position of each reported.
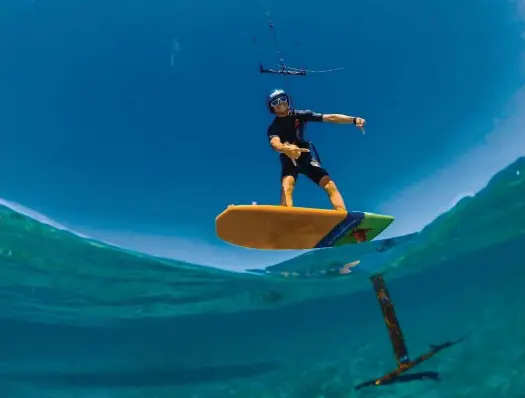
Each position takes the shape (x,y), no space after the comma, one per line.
(316,157)
(299,130)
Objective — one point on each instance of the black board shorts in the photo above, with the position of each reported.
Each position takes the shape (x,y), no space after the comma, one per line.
(306,164)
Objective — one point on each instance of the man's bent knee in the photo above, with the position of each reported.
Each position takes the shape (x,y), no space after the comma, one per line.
(328,184)
(333,193)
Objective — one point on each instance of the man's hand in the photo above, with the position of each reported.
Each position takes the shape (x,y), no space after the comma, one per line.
(360,123)
(293,151)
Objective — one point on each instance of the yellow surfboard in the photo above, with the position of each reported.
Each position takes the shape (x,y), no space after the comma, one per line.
(296,228)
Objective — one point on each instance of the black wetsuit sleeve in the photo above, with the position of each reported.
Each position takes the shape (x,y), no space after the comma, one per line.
(310,116)
(272,132)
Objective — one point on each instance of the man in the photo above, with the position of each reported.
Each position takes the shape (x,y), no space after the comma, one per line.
(286,135)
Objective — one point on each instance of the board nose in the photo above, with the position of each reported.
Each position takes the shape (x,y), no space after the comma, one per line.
(275,227)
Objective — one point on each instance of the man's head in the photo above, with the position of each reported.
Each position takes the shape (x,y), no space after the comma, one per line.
(278,102)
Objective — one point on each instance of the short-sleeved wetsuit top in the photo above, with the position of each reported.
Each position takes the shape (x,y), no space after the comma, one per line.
(290,129)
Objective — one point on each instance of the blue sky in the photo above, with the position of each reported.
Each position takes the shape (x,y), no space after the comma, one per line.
(110,128)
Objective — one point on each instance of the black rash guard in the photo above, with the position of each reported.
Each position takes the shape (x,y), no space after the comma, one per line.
(291,128)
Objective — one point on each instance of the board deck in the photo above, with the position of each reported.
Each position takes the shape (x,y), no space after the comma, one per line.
(296,228)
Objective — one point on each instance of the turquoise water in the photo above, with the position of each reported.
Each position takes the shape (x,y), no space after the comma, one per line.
(83,319)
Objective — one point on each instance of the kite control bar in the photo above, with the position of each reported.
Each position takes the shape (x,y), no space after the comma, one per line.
(282,71)
(283,68)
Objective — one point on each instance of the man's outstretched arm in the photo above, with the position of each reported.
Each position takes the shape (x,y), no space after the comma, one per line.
(339,119)
(344,119)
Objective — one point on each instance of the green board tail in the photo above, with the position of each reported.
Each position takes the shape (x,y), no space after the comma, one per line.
(357,227)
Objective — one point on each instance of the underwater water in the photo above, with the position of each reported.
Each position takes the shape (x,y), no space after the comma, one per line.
(84,319)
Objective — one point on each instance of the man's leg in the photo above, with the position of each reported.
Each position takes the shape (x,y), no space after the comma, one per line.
(287,187)
(333,193)
(289,173)
(320,176)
